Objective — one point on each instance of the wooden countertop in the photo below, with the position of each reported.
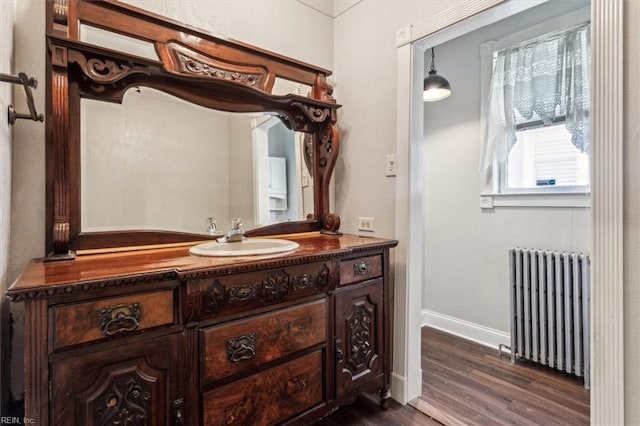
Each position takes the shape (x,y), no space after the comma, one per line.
(42,279)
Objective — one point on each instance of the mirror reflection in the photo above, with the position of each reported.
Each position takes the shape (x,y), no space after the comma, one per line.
(156,162)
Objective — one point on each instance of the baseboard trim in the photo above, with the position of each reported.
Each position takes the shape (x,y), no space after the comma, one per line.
(467,330)
(399,388)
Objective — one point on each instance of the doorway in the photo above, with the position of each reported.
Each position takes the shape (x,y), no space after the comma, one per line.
(606,184)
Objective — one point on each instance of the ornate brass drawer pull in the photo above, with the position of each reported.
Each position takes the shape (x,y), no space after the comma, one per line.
(361,268)
(242,348)
(119,318)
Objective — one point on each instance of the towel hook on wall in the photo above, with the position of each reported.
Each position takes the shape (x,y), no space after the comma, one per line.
(28,83)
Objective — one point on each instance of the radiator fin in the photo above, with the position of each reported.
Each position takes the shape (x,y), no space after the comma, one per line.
(550,309)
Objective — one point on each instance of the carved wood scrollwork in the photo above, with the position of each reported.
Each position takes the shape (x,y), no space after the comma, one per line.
(105,71)
(275,287)
(127,401)
(214,299)
(243,293)
(328,149)
(359,337)
(313,113)
(181,60)
(192,66)
(318,280)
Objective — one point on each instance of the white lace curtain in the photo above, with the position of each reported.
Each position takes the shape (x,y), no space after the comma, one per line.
(539,80)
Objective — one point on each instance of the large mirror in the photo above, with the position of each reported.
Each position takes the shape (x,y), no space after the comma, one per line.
(157,162)
(160,134)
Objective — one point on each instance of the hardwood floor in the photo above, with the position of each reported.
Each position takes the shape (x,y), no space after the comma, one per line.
(467,383)
(365,411)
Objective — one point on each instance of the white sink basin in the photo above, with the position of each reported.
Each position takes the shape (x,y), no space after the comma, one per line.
(248,247)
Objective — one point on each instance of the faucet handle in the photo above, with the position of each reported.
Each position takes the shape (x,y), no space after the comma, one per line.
(212,225)
(236,223)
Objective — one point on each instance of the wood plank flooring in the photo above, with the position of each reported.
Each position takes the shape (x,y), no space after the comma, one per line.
(467,383)
(365,411)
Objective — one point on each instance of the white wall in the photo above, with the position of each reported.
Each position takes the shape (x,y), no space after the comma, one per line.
(466,266)
(365,84)
(287,27)
(7,17)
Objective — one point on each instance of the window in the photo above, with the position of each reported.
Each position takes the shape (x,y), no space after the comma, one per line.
(544,158)
(536,119)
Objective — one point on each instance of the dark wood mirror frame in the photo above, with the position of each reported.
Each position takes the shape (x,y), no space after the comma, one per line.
(193,65)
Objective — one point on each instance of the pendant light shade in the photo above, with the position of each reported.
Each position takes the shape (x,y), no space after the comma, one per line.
(436,87)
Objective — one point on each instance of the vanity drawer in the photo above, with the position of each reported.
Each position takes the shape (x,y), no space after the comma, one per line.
(243,345)
(269,397)
(231,294)
(360,269)
(101,318)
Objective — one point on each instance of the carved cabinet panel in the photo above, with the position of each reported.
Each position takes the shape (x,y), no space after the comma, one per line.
(358,336)
(135,384)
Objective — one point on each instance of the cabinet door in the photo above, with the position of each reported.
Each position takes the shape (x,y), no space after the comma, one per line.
(359,338)
(134,384)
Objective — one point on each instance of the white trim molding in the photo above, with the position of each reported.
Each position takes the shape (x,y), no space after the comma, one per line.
(607,133)
(467,330)
(607,319)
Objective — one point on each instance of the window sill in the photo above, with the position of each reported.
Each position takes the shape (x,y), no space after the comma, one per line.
(567,200)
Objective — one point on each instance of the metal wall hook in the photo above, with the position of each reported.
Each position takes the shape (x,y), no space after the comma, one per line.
(27,83)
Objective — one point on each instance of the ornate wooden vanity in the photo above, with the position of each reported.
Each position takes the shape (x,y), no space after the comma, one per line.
(163,337)
(124,325)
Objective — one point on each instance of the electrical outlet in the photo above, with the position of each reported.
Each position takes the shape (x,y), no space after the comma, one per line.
(390,169)
(365,224)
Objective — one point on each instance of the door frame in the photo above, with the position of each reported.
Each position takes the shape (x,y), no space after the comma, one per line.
(606,224)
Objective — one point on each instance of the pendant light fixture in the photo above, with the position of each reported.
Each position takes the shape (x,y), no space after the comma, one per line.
(436,87)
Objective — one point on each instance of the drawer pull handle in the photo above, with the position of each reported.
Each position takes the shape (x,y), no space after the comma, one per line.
(242,348)
(119,318)
(361,268)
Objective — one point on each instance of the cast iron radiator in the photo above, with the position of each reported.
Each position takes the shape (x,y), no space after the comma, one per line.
(550,309)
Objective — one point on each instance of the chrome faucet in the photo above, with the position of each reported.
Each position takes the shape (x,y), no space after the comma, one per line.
(212,226)
(236,233)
